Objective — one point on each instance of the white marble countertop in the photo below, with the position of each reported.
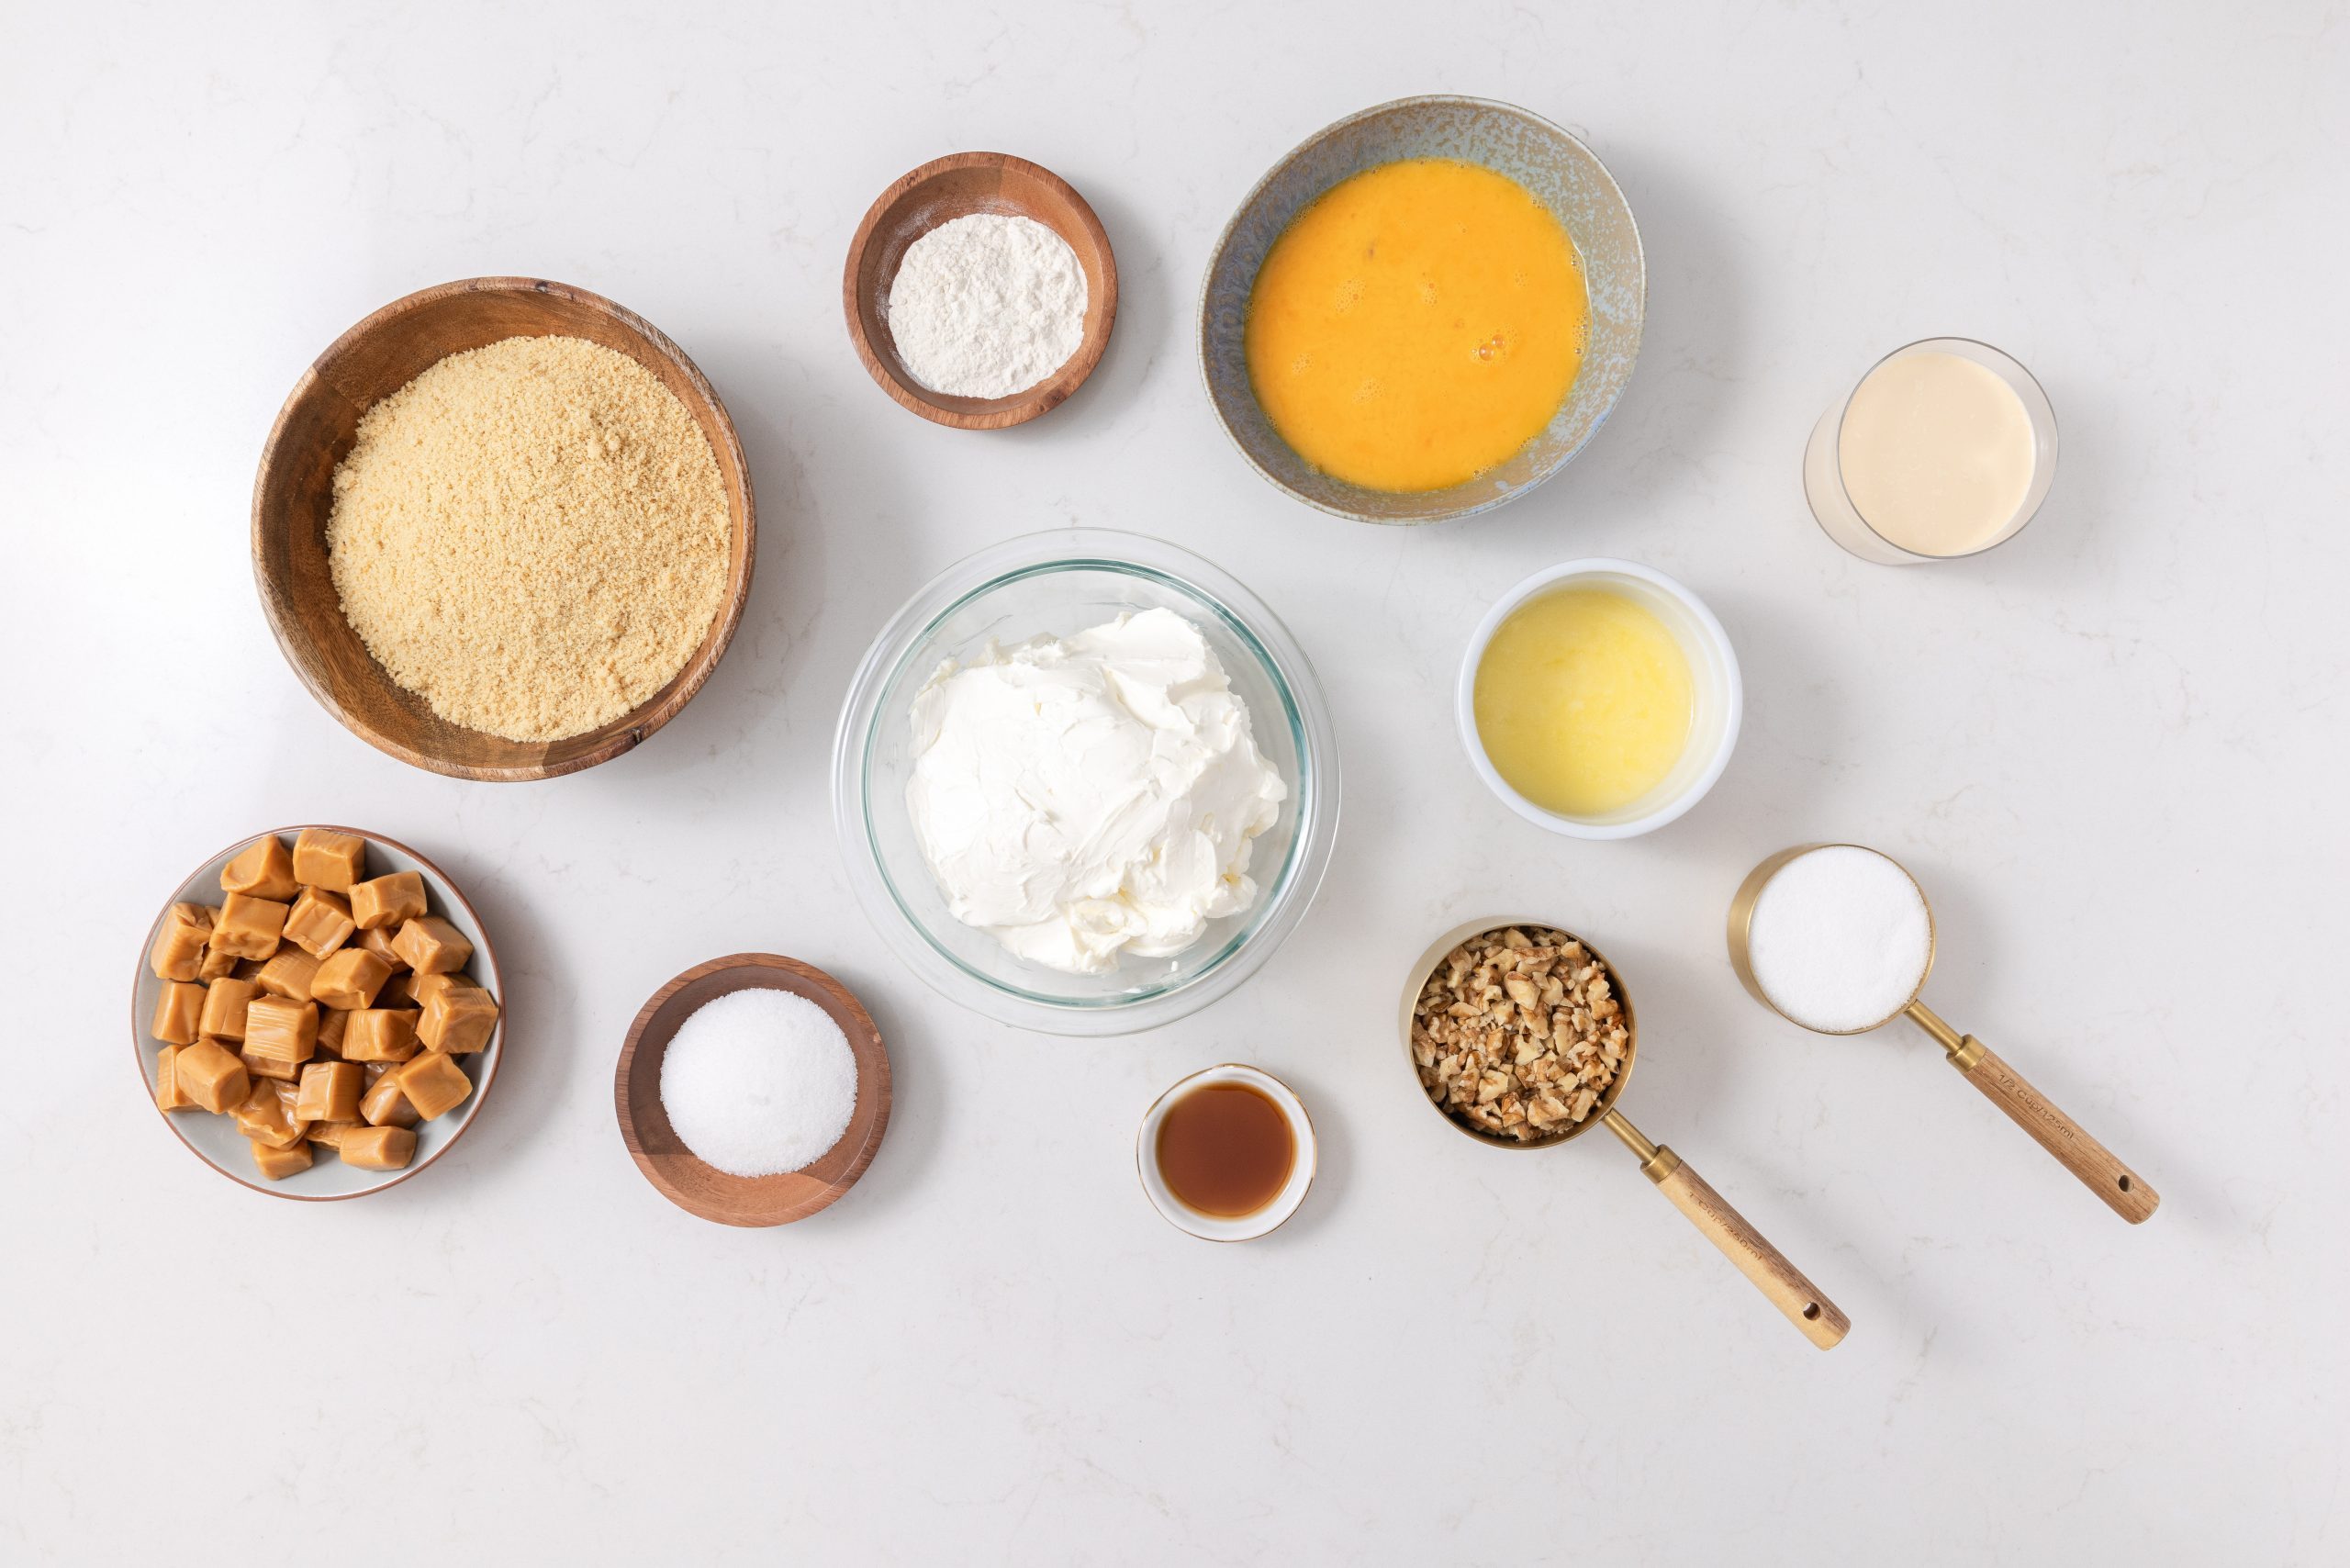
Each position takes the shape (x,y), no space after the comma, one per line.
(2113,749)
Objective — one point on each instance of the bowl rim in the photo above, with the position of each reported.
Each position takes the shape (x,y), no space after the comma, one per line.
(1283,1204)
(1224,242)
(984,413)
(1315,792)
(630,729)
(494,1053)
(806,974)
(1464,697)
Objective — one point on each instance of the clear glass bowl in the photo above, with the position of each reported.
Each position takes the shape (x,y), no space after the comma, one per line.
(1060,583)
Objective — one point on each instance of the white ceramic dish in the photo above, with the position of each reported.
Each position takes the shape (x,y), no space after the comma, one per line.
(1718,696)
(1216,1227)
(215,1138)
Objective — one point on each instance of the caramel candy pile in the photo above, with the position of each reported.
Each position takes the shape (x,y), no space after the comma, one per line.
(319,1007)
(1517,1034)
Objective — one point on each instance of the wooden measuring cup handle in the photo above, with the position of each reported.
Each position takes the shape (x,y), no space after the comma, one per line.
(1822,1322)
(2124,1192)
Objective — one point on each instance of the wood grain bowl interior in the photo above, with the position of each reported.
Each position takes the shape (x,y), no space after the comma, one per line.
(293,497)
(672,1168)
(937,193)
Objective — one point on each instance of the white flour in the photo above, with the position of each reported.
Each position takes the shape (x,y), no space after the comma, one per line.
(986,305)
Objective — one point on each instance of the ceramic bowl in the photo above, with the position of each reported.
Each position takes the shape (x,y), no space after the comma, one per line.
(215,1138)
(1718,696)
(1560,172)
(294,495)
(940,191)
(1061,583)
(1223,1228)
(703,1188)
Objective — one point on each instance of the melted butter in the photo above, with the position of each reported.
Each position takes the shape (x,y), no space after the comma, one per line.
(1582,701)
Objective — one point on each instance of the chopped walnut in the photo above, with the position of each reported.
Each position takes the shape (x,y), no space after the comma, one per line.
(1517,1034)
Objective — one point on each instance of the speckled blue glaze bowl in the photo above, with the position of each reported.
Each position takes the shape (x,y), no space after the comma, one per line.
(1560,172)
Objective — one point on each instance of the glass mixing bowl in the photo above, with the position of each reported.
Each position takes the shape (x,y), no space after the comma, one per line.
(1060,583)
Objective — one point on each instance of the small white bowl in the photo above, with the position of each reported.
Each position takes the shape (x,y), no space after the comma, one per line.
(215,1140)
(1718,697)
(1219,1228)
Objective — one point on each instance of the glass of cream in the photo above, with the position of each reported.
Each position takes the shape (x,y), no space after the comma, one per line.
(1944,449)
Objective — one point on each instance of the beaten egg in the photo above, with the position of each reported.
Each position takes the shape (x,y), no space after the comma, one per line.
(1416,325)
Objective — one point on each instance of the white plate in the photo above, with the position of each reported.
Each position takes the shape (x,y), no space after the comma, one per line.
(215,1138)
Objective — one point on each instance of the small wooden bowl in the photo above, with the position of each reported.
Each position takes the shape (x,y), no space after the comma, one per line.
(700,1188)
(956,186)
(294,494)
(215,1140)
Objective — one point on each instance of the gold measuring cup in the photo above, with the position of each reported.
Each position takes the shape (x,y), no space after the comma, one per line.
(2123,1190)
(1820,1319)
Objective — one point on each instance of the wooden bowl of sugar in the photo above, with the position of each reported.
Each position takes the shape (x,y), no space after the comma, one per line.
(703,1188)
(941,191)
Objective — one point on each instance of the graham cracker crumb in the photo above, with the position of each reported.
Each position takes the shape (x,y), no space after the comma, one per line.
(531,536)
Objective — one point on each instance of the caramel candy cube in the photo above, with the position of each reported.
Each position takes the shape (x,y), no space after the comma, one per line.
(225,1001)
(385,1106)
(248,926)
(378,941)
(350,978)
(288,973)
(216,965)
(377,1149)
(260,869)
(387,901)
(279,1163)
(423,987)
(331,1025)
(281,1030)
(459,1019)
(434,1084)
(320,922)
(379,1033)
(179,1012)
(258,1068)
(431,946)
(169,1096)
(210,1077)
(178,953)
(331,860)
(262,1116)
(330,1091)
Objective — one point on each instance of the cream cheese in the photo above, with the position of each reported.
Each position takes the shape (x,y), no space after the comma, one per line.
(1080,798)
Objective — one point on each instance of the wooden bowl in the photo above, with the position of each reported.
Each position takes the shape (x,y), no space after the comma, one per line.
(215,1139)
(956,186)
(700,1188)
(294,492)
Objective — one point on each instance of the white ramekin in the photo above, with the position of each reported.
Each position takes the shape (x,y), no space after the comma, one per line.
(1236,1227)
(1718,697)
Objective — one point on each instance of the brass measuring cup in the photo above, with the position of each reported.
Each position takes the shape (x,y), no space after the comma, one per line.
(1820,1319)
(2123,1190)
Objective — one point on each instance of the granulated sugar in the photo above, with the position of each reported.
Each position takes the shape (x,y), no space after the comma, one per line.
(1840,938)
(759,1083)
(531,536)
